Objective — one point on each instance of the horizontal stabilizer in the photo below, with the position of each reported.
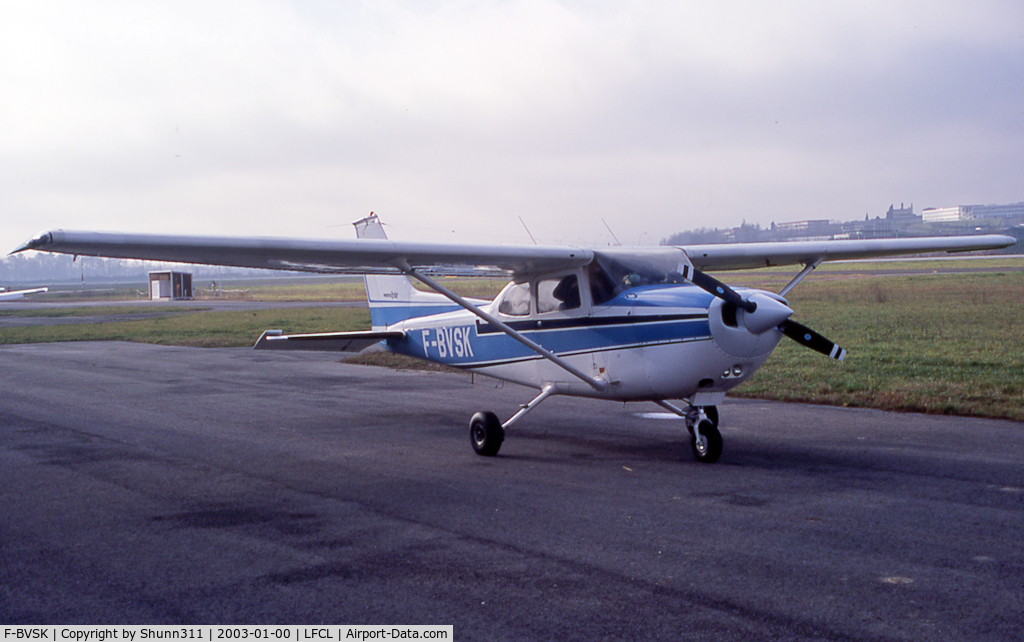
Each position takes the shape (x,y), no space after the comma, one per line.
(324,341)
(17,294)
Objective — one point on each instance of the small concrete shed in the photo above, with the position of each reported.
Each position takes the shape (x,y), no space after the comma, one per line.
(174,286)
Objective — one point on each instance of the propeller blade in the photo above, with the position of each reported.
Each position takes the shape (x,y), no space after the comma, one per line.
(713,286)
(811,339)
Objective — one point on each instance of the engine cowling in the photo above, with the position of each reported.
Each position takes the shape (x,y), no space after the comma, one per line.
(744,334)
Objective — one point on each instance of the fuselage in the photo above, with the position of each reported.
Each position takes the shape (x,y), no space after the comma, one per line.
(649,342)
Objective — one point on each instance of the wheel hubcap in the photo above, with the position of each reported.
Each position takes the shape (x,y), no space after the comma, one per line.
(702,444)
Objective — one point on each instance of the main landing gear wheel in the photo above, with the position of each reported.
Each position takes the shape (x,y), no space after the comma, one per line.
(706,443)
(486,433)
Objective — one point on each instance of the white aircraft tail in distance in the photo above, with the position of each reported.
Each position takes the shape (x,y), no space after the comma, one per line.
(617,323)
(10,295)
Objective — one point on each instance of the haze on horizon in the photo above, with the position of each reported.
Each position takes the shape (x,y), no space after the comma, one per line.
(453,119)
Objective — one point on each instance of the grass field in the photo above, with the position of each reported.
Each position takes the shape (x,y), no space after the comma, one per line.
(937,342)
(190,327)
(950,344)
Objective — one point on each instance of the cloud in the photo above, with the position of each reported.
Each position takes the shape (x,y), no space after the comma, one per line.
(285,118)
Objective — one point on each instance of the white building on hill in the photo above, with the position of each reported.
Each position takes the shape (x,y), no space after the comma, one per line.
(945,214)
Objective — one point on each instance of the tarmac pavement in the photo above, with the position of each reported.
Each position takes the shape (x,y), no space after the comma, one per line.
(158,485)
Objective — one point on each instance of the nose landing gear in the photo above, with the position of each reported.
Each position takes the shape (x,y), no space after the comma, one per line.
(706,442)
(702,422)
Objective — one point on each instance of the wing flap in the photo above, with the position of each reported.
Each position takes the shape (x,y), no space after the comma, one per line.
(324,341)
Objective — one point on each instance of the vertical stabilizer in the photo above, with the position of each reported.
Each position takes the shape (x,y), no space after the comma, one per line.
(370,228)
(392,298)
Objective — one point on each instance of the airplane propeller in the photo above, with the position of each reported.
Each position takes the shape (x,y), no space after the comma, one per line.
(795,331)
(714,286)
(809,338)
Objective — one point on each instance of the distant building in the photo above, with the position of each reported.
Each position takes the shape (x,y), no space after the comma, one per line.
(945,214)
(170,285)
(872,228)
(901,213)
(897,222)
(1011,210)
(816,226)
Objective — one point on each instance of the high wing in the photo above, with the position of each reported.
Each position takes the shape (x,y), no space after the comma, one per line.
(368,256)
(344,256)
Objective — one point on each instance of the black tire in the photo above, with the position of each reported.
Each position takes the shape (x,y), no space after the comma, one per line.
(486,433)
(710,449)
(711,412)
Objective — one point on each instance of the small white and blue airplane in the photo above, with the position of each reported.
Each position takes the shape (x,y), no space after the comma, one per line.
(7,295)
(615,323)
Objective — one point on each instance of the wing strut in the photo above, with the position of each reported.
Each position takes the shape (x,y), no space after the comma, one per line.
(597,384)
(808,267)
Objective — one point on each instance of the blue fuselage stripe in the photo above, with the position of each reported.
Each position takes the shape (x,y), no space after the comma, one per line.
(477,344)
(388,315)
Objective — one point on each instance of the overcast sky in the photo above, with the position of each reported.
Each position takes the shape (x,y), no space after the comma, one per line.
(453,119)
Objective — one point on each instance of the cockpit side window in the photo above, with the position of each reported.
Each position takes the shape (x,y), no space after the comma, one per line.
(515,300)
(558,293)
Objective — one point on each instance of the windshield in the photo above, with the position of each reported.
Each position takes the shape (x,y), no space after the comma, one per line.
(614,271)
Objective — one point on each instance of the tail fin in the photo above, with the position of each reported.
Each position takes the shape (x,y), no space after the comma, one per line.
(392,298)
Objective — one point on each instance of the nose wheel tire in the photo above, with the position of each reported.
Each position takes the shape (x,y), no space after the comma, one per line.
(486,433)
(707,447)
(711,412)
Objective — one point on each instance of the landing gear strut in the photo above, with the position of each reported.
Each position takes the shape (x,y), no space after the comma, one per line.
(486,432)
